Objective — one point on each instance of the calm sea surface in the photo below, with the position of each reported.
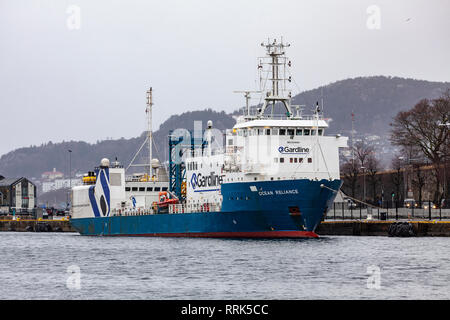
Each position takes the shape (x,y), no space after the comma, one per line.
(35,266)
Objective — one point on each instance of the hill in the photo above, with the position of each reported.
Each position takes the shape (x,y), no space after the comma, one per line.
(374,100)
(33,161)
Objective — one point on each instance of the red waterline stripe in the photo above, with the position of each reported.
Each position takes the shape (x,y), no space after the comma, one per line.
(257,234)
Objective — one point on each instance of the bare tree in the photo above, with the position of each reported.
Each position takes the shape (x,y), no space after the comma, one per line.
(397,177)
(419,180)
(363,151)
(422,128)
(373,166)
(350,170)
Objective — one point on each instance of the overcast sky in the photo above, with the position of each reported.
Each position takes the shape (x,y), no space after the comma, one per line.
(69,76)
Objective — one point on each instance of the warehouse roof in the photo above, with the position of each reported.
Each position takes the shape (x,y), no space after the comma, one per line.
(9,181)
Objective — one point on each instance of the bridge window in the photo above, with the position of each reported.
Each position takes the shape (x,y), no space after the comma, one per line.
(142,189)
(274,132)
(313,132)
(299,132)
(290,132)
(127,188)
(134,189)
(309,160)
(149,189)
(282,132)
(157,188)
(267,132)
(320,132)
(291,160)
(300,160)
(281,160)
(295,160)
(306,132)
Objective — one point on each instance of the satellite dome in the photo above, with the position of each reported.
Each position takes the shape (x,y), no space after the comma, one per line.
(104,162)
(155,163)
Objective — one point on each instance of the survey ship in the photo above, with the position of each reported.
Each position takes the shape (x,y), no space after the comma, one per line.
(273,175)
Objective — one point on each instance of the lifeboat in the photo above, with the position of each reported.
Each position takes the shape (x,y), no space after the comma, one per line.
(164,201)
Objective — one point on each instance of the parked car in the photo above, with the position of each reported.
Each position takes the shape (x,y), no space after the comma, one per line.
(350,203)
(426,204)
(60,212)
(445,204)
(409,203)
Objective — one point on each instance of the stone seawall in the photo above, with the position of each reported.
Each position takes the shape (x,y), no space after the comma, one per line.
(344,227)
(381,228)
(36,225)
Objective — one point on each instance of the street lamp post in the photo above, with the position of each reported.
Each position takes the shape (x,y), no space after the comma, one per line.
(70,173)
(364,182)
(406,176)
(447,124)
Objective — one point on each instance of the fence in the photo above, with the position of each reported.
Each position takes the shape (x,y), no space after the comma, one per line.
(6,210)
(342,211)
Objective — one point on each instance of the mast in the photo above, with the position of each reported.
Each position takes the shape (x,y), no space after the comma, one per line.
(247,101)
(275,57)
(149,130)
(148,139)
(353,130)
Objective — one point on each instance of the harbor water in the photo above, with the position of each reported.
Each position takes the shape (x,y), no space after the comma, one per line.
(70,266)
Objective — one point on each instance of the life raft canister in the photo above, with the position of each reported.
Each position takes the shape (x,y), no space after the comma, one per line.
(163,196)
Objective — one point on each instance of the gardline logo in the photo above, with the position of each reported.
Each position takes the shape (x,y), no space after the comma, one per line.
(293,150)
(213,180)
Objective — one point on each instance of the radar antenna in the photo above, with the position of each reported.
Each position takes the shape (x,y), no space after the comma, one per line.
(276,61)
(247,99)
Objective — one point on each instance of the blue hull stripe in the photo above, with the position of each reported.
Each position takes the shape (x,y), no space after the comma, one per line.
(208,190)
(93,201)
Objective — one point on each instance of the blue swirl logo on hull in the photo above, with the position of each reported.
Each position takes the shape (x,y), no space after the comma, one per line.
(100,194)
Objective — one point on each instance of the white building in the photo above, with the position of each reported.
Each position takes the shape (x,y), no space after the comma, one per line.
(59,184)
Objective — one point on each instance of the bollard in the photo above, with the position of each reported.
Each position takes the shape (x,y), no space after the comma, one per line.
(429,209)
(334,210)
(396,209)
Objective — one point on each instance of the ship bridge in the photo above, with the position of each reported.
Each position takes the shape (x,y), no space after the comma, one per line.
(266,149)
(291,127)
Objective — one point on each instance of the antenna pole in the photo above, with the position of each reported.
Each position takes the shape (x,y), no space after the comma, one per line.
(149,132)
(353,149)
(275,57)
(247,100)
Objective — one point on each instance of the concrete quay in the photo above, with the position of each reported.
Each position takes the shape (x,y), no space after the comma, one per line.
(420,228)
